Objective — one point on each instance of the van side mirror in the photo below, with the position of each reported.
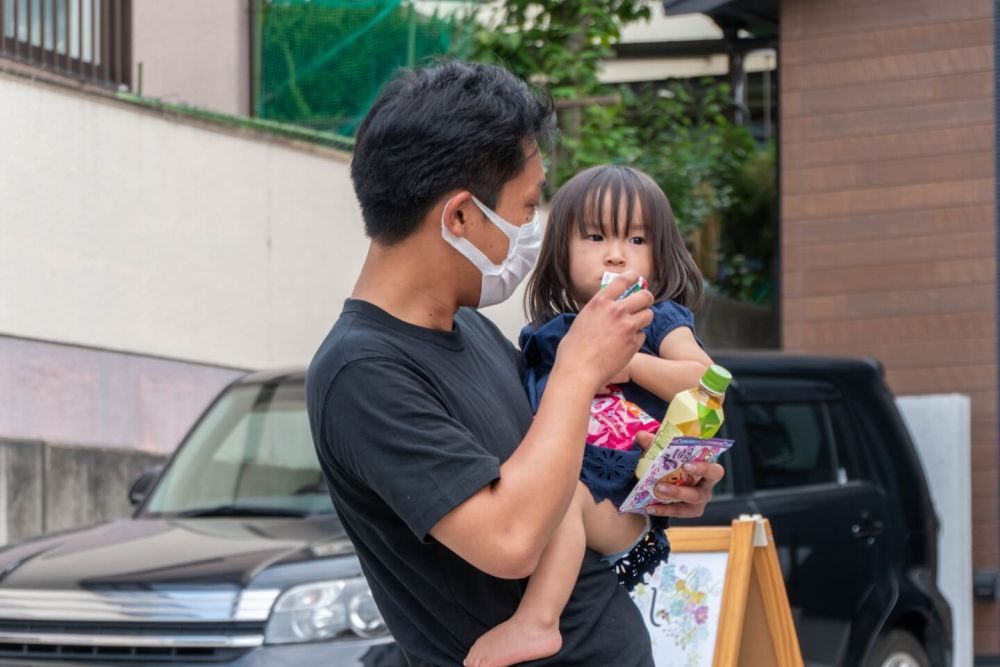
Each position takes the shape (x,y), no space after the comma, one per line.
(141,487)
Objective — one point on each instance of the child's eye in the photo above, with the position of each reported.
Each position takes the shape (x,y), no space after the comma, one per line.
(637,240)
(594,237)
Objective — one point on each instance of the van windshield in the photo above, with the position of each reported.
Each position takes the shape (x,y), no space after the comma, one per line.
(251,455)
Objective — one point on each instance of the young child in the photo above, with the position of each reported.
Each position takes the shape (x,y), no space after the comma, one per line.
(605,219)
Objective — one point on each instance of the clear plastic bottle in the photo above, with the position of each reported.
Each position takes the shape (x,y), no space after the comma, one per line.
(696,413)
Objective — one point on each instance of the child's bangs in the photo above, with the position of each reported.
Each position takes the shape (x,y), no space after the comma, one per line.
(608,203)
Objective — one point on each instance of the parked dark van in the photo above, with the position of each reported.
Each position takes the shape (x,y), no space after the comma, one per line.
(823,453)
(235,555)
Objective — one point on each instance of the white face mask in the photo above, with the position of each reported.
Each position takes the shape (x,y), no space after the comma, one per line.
(500,280)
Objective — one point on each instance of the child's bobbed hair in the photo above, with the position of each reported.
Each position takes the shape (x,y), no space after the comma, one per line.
(589,197)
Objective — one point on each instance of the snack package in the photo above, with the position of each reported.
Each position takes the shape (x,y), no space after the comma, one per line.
(669,464)
(614,421)
(639,284)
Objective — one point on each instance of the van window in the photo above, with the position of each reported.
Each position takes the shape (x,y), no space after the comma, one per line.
(791,444)
(851,452)
(252,450)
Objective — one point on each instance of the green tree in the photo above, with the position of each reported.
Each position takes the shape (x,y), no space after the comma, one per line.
(561,45)
(719,181)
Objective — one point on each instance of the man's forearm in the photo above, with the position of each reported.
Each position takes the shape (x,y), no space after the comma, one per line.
(541,475)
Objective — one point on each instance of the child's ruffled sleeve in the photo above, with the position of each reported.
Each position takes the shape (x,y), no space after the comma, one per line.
(667,316)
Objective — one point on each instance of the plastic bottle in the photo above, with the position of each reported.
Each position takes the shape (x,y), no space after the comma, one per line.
(696,413)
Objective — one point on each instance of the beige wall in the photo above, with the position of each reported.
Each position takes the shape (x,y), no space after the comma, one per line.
(129,231)
(194,51)
(125,230)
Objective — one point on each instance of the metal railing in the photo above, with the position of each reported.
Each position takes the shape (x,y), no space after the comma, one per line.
(90,40)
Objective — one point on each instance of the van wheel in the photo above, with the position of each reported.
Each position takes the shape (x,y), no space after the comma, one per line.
(899,649)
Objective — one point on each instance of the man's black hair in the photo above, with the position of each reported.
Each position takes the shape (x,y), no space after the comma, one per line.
(453,125)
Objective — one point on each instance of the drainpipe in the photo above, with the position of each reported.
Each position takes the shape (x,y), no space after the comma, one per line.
(737,77)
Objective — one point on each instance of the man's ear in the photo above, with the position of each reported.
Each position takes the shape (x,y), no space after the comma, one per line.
(455,212)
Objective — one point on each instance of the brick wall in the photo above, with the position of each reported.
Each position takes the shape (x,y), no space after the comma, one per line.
(889,213)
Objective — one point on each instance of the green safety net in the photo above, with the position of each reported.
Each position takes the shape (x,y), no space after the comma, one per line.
(321,63)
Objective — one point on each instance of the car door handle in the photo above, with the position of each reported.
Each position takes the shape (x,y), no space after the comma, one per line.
(867,528)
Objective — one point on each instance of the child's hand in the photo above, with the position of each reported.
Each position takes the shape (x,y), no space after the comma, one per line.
(621,377)
(644,439)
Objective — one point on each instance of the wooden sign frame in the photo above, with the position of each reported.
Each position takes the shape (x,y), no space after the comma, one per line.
(755,622)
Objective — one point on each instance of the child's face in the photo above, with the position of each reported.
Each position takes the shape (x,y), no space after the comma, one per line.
(599,250)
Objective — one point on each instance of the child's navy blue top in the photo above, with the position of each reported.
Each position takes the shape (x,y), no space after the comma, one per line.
(608,473)
(539,347)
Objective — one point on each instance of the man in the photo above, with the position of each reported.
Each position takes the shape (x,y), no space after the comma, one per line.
(446,484)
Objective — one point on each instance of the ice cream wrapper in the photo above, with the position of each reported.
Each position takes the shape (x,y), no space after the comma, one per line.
(669,464)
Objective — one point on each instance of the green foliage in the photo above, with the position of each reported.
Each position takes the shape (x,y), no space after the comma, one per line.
(689,146)
(679,132)
(710,167)
(605,136)
(559,43)
(746,248)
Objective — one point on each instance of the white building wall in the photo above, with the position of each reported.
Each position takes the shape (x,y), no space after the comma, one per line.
(129,231)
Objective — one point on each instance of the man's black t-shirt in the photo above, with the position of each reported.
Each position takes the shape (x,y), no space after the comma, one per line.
(408,424)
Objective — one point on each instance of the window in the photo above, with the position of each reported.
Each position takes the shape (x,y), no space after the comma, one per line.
(791,444)
(252,449)
(852,457)
(86,39)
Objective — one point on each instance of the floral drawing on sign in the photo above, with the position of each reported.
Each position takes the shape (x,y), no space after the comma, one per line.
(684,608)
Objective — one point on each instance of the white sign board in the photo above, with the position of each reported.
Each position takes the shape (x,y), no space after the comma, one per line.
(681,602)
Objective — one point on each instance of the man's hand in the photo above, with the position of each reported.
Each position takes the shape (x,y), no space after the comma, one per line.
(692,499)
(607,332)
(621,377)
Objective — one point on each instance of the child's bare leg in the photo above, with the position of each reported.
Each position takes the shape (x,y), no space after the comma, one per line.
(608,530)
(533,631)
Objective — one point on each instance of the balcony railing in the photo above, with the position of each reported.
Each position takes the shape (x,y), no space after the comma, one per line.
(90,40)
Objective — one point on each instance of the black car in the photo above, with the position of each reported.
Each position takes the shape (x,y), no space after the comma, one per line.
(235,555)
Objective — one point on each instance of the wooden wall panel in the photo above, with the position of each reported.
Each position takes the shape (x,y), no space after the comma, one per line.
(889,220)
(891,41)
(894,226)
(889,147)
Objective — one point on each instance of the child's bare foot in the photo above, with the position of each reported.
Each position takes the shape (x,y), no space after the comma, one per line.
(515,640)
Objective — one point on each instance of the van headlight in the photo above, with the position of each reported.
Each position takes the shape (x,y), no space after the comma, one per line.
(338,609)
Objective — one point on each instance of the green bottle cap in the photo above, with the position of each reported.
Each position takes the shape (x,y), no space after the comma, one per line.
(716,379)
